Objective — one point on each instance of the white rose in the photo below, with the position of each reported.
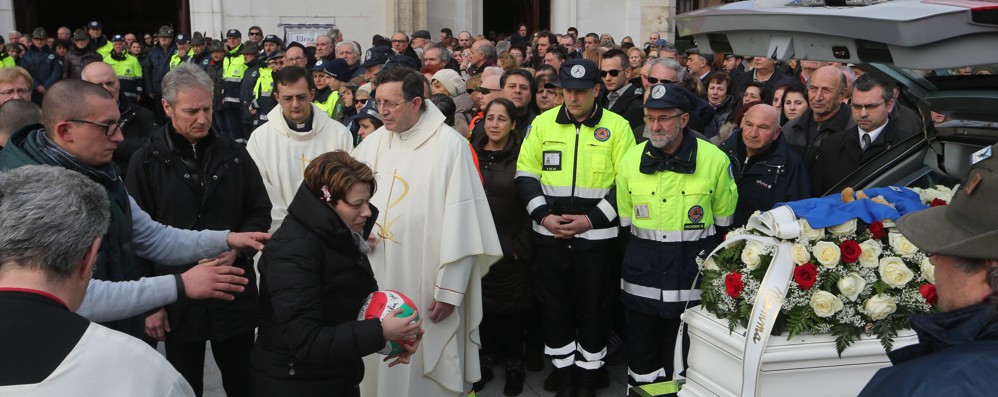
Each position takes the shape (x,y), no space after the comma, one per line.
(751,253)
(901,244)
(809,233)
(880,306)
(846,228)
(870,257)
(709,264)
(851,286)
(928,271)
(799,254)
(894,272)
(825,304)
(827,253)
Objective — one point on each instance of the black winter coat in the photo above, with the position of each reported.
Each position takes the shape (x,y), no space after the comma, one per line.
(313,281)
(157,64)
(507,287)
(140,125)
(217,188)
(841,154)
(777,175)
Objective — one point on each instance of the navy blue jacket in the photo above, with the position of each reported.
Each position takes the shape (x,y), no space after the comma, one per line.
(43,64)
(777,175)
(956,355)
(158,64)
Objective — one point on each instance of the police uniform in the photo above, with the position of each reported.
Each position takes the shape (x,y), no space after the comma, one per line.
(328,99)
(128,69)
(233,70)
(177,58)
(568,167)
(673,204)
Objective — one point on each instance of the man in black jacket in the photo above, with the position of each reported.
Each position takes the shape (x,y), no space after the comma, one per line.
(873,134)
(139,121)
(621,96)
(158,63)
(766,170)
(826,117)
(187,176)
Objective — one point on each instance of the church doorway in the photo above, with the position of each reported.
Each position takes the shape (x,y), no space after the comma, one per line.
(117,16)
(502,17)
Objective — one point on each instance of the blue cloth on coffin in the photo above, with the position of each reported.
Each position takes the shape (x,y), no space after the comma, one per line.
(830,210)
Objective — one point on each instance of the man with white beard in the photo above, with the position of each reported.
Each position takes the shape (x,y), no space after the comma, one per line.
(672,192)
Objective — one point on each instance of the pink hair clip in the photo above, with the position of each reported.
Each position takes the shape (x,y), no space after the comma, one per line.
(326,195)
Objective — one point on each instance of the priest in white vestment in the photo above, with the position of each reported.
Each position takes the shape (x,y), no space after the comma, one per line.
(296,132)
(435,238)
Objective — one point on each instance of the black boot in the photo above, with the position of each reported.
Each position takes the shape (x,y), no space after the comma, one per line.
(569,385)
(587,382)
(514,378)
(602,378)
(553,380)
(487,374)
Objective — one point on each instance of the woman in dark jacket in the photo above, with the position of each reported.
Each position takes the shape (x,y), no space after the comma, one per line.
(314,277)
(507,292)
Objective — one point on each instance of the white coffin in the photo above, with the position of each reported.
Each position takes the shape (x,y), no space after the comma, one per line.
(806,365)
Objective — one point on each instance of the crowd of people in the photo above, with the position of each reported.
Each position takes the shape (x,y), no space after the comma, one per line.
(535,195)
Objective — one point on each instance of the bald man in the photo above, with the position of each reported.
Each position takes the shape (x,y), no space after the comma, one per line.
(16,114)
(826,116)
(766,170)
(141,122)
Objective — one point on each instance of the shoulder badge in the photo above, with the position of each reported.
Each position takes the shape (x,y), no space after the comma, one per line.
(526,134)
(254,74)
(602,134)
(51,56)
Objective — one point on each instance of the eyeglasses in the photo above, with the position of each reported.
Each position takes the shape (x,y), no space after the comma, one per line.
(18,91)
(649,120)
(294,60)
(653,80)
(256,33)
(389,105)
(855,107)
(613,73)
(362,101)
(111,128)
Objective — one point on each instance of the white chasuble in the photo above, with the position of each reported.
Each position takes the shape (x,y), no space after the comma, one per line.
(435,240)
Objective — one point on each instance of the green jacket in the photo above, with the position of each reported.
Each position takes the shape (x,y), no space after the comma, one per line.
(115,257)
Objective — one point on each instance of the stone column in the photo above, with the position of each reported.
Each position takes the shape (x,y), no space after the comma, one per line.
(409,15)
(657,16)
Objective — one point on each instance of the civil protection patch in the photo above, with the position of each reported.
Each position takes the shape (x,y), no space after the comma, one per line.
(695,213)
(602,134)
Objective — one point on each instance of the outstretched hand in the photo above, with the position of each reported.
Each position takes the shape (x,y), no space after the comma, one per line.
(247,240)
(211,280)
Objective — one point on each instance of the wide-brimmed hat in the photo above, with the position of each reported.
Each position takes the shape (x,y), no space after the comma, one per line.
(968,226)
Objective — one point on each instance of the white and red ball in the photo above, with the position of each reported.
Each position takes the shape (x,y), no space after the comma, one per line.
(378,304)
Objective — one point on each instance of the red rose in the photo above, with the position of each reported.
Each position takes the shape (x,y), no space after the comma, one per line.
(806,275)
(850,251)
(733,284)
(877,230)
(928,292)
(938,202)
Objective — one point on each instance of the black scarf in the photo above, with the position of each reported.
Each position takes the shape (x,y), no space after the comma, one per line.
(105,174)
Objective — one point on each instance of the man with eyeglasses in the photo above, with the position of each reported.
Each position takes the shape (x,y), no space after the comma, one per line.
(296,132)
(622,97)
(435,237)
(15,83)
(673,193)
(140,122)
(565,174)
(81,130)
(841,154)
(295,56)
